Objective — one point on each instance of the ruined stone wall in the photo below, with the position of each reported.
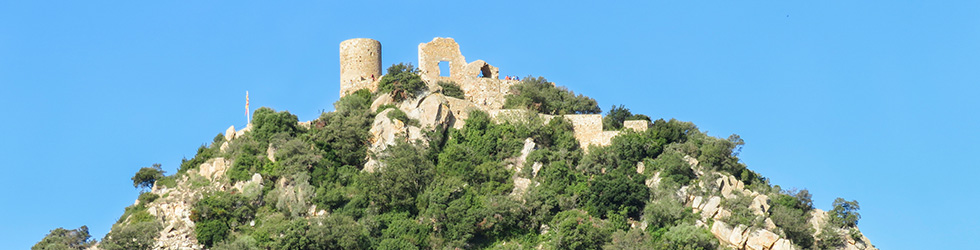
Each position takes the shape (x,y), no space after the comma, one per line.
(488,93)
(360,64)
(479,80)
(588,130)
(637,125)
(481,84)
(439,50)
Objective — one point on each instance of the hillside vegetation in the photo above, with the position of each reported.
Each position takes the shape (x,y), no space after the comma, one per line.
(490,183)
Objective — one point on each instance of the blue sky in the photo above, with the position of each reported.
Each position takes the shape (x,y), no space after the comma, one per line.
(874,101)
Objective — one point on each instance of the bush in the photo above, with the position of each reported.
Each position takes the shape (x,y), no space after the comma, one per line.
(266,123)
(845,213)
(665,213)
(398,114)
(741,214)
(480,141)
(140,235)
(615,193)
(829,238)
(793,221)
(357,101)
(216,214)
(634,239)
(167,181)
(63,239)
(146,177)
(147,197)
(451,89)
(672,167)
(383,107)
(544,97)
(342,136)
(203,155)
(617,115)
(574,229)
(402,81)
(405,173)
(686,237)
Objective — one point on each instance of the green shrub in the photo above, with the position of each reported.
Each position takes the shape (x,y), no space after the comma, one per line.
(829,238)
(672,167)
(138,236)
(574,229)
(356,101)
(404,175)
(342,137)
(243,242)
(665,212)
(855,234)
(686,237)
(402,81)
(167,181)
(63,239)
(398,114)
(616,192)
(451,89)
(793,221)
(147,197)
(266,123)
(203,155)
(217,214)
(741,214)
(480,141)
(383,107)
(544,97)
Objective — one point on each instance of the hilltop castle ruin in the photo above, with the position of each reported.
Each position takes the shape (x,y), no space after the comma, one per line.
(360,68)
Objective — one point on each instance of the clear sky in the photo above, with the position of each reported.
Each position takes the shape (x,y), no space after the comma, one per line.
(875,101)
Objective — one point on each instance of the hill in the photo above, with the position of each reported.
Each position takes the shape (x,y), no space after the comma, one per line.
(417,159)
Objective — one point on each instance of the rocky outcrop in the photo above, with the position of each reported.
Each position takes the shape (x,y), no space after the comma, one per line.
(432,111)
(230,133)
(214,168)
(174,206)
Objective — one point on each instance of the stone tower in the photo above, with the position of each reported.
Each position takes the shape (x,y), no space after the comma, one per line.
(360,64)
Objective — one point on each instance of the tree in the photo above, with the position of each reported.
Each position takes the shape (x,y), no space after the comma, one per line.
(405,173)
(616,192)
(845,213)
(64,239)
(266,122)
(145,177)
(617,115)
(402,81)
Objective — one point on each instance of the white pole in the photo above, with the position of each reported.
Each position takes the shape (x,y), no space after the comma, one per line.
(248,118)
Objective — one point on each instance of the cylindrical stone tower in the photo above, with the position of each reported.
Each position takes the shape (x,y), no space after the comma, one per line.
(360,64)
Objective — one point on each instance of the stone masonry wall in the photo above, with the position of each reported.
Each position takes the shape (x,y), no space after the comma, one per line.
(637,125)
(360,64)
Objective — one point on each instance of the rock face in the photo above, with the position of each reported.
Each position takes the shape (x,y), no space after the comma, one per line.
(230,133)
(214,168)
(761,239)
(746,237)
(432,111)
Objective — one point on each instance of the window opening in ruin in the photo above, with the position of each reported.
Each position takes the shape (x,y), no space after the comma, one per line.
(444,68)
(485,71)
